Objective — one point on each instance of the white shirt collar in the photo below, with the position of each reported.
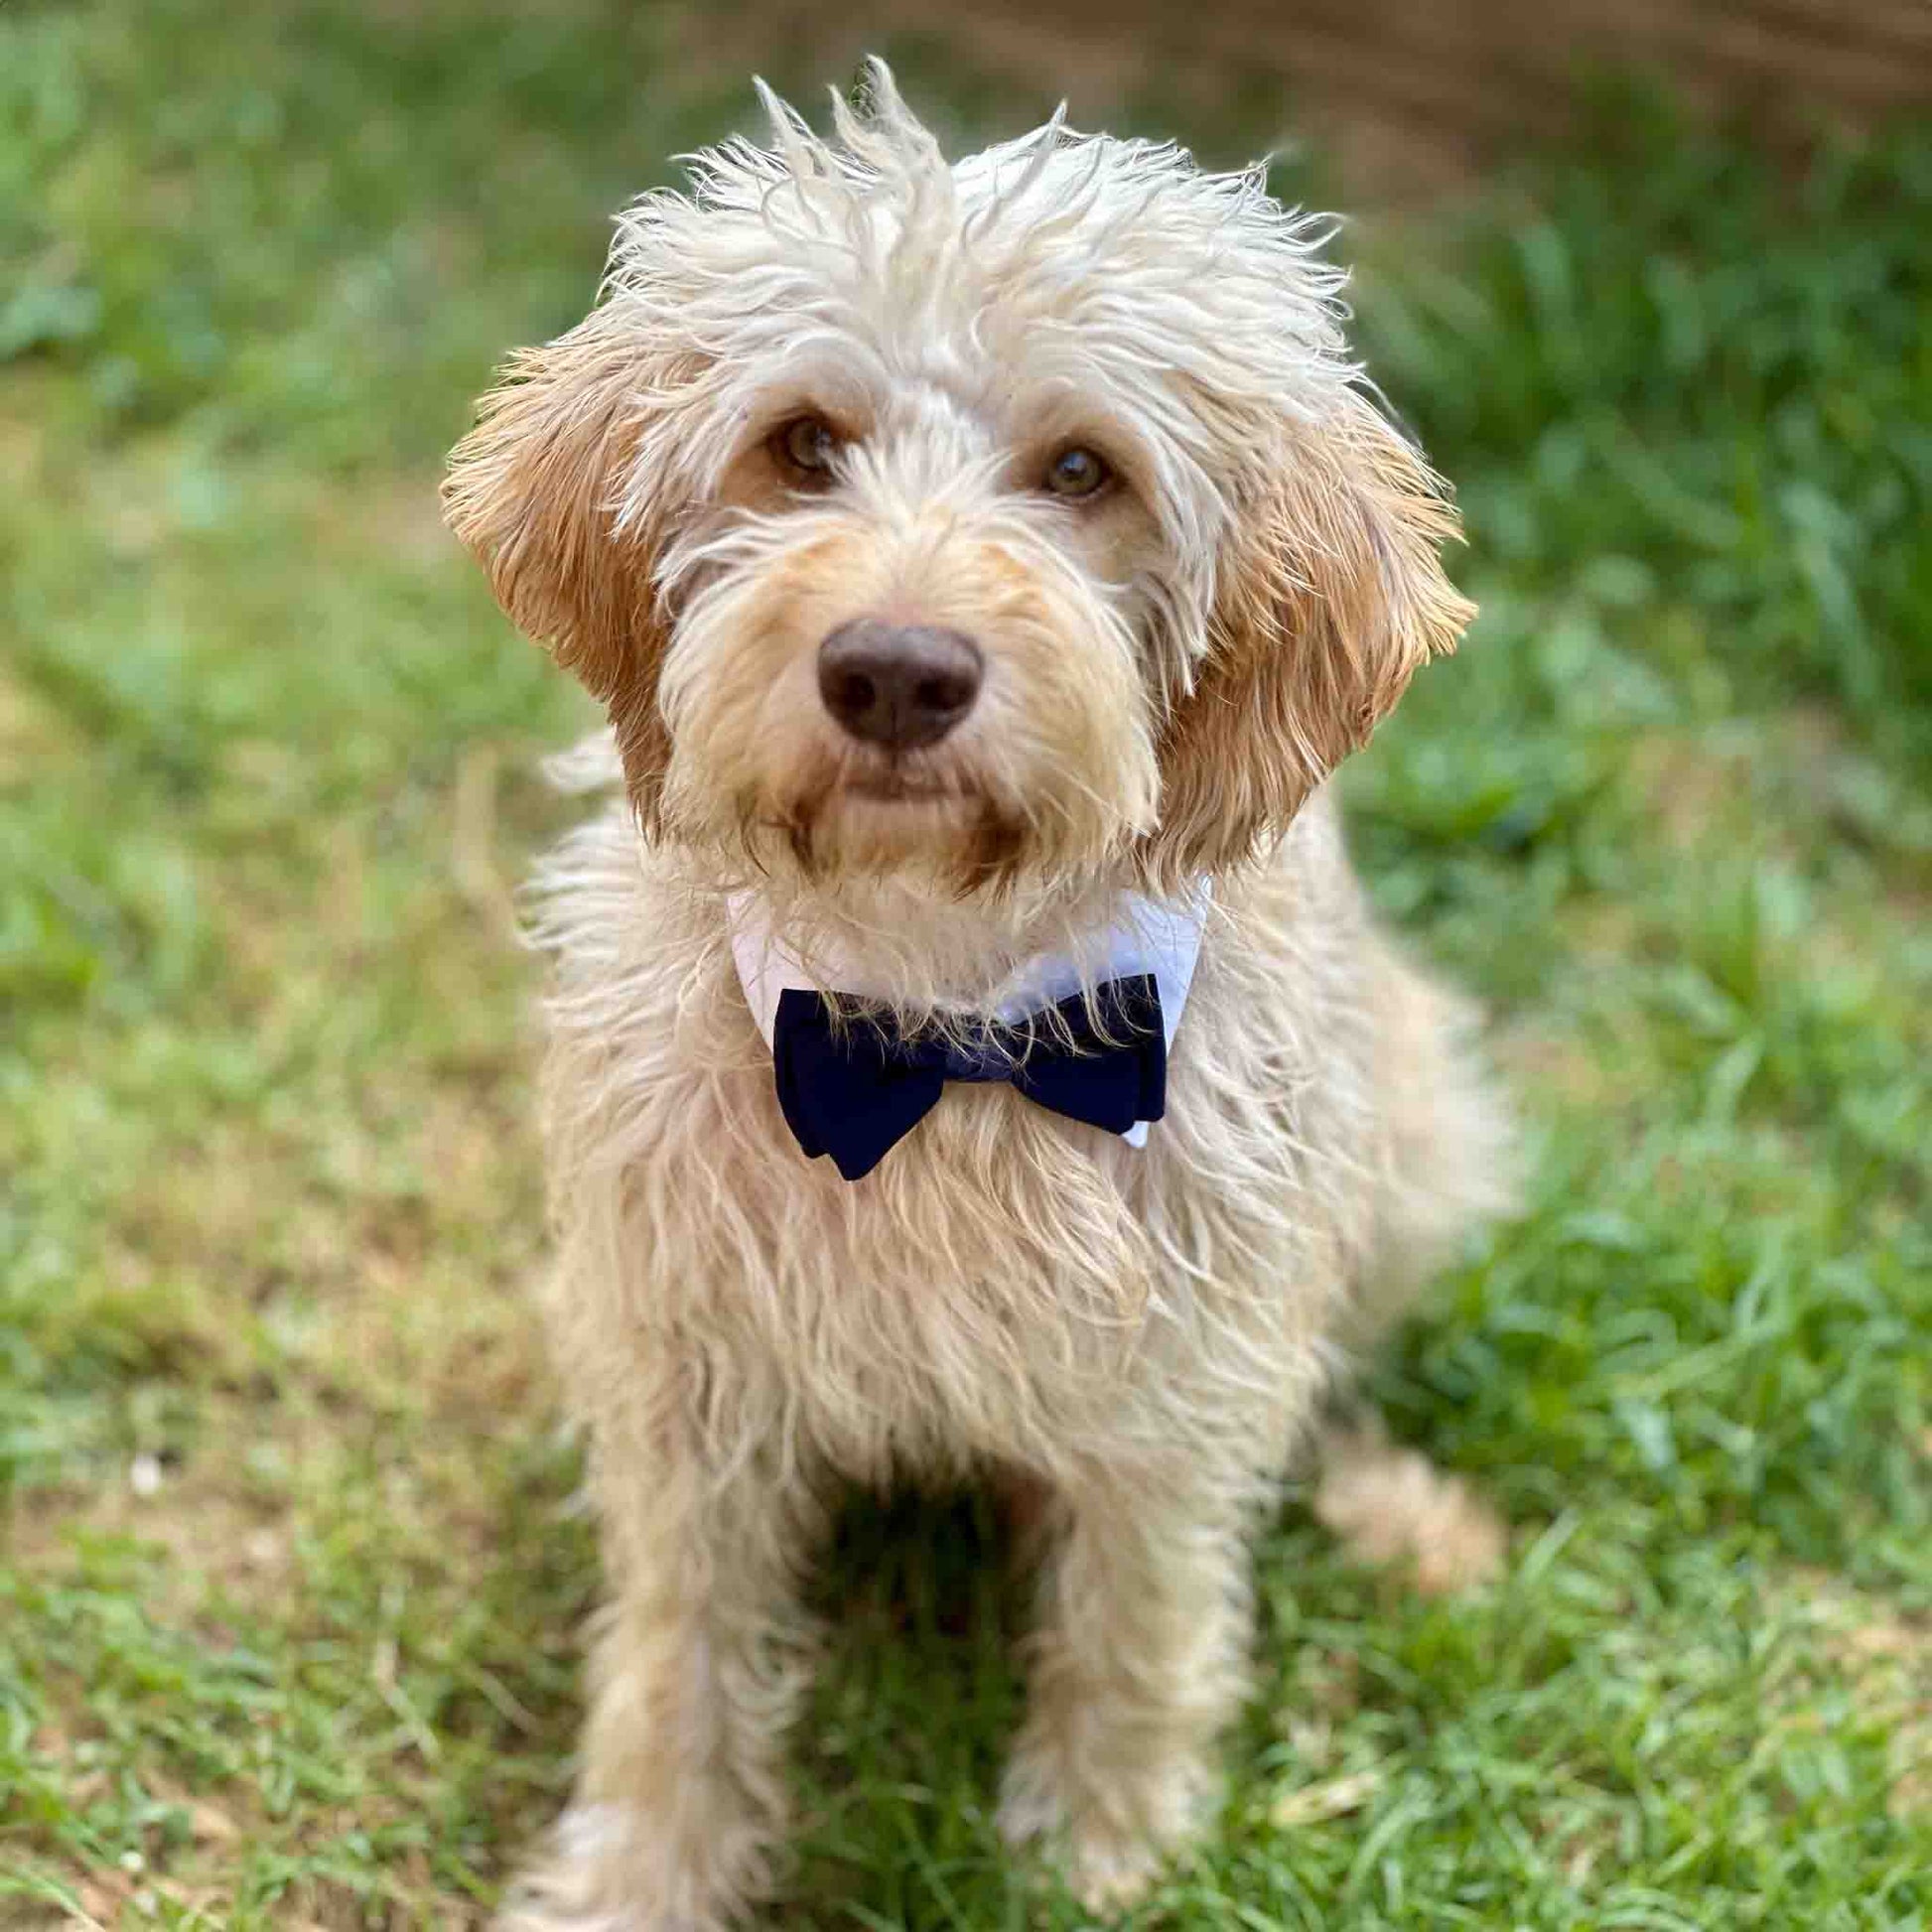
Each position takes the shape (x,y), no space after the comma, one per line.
(1158,936)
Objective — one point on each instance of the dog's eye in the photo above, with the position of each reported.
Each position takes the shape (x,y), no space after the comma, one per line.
(1077,472)
(808,444)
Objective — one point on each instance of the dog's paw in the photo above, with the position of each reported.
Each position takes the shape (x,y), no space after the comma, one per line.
(1108,1873)
(527,1910)
(1107,1865)
(1391,1506)
(603,1874)
(570,1890)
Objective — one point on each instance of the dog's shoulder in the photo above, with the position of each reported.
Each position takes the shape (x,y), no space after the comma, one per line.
(1297,916)
(638,950)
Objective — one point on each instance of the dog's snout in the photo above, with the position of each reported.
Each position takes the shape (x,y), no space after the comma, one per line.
(898,686)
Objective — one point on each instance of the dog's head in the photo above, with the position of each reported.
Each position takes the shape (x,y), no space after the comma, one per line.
(1018,516)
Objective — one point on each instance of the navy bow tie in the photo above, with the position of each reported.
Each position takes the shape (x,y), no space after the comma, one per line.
(855,1091)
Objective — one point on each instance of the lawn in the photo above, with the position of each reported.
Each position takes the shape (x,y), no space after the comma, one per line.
(289,1572)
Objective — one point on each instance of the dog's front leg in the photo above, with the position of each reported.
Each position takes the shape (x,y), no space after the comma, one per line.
(1139,1658)
(680,1810)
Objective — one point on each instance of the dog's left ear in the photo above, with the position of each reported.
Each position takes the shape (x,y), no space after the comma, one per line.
(1333,594)
(532,490)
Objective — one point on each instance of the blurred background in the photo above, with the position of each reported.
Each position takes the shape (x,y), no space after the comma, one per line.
(290,1580)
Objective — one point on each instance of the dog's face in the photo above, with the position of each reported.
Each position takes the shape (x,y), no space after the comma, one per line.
(1013,519)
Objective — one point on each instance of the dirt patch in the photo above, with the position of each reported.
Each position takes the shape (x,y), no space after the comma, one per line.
(32,735)
(1690,788)
(1883,1655)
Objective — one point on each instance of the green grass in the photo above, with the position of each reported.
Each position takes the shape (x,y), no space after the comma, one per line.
(269,1207)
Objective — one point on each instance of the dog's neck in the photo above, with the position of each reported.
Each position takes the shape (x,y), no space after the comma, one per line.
(922,954)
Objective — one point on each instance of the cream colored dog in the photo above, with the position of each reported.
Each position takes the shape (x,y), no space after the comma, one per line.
(977,562)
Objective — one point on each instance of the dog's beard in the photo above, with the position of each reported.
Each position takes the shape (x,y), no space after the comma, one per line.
(920,819)
(938,823)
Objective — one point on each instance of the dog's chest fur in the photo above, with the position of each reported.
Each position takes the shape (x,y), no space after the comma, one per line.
(1008,1286)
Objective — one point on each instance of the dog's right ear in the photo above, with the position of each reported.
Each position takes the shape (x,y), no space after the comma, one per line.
(532,490)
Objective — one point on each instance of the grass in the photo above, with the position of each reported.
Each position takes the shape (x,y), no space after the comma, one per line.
(289,1575)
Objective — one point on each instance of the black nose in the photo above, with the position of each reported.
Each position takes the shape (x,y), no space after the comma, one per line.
(898,685)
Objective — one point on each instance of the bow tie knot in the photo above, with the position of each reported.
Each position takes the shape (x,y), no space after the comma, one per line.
(855,1090)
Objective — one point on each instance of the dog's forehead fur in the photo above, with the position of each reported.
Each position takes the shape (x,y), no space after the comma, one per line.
(1080,281)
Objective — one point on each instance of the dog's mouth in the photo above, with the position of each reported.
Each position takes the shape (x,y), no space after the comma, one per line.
(877,814)
(897,788)
(897,779)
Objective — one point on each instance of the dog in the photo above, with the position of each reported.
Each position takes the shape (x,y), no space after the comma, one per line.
(971,1056)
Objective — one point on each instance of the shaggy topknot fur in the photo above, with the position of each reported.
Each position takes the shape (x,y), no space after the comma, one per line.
(1135,1340)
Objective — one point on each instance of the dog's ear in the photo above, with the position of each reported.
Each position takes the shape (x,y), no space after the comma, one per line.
(532,491)
(1331,595)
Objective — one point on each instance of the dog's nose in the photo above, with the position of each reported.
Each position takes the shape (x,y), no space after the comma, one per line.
(898,685)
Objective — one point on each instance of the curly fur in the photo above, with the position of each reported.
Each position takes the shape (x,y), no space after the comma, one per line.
(1141,1338)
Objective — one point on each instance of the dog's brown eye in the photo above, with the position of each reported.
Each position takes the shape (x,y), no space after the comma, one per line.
(808,444)
(1076,472)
